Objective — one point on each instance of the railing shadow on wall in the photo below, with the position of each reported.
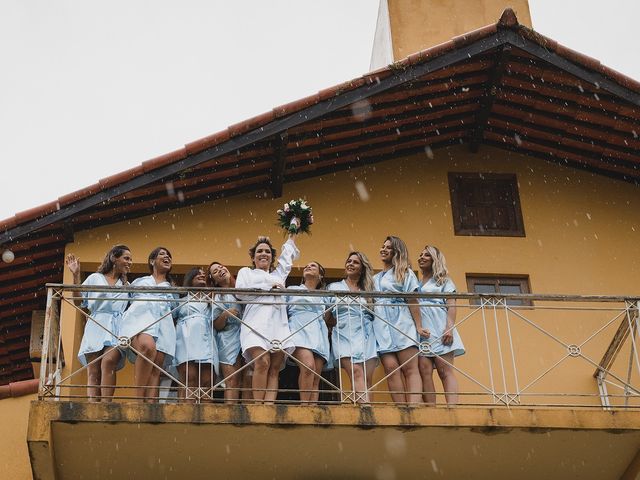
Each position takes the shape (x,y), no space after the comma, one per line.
(522,350)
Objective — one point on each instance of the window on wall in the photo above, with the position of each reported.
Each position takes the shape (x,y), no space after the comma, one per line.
(486,283)
(486,204)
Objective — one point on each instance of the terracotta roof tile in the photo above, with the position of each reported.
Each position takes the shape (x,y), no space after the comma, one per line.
(508,19)
(327,93)
(79,194)
(535,37)
(8,223)
(475,35)
(620,78)
(120,177)
(165,159)
(577,57)
(207,142)
(251,123)
(373,76)
(296,105)
(37,211)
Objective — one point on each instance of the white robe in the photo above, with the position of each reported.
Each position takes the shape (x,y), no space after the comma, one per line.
(265,323)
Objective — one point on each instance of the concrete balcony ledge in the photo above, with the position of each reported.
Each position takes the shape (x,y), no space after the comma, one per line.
(72,440)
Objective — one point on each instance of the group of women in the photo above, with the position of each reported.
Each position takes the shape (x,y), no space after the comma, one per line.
(245,338)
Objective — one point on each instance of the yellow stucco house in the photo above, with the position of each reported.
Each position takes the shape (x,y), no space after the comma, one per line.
(515,155)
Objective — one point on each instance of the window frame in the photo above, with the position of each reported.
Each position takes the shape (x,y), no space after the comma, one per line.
(456,179)
(522,280)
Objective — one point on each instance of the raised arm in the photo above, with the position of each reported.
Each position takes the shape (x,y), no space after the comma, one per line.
(73,264)
(289,253)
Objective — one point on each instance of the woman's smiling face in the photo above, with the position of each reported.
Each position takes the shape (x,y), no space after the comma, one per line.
(262,258)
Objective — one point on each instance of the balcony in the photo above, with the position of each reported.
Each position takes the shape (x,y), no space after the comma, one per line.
(549,386)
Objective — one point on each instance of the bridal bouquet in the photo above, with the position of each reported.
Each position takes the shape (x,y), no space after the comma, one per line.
(295,217)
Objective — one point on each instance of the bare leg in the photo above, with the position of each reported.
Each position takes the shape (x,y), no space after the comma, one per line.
(207,379)
(93,377)
(315,395)
(307,376)
(370,370)
(355,371)
(109,365)
(233,380)
(394,379)
(261,362)
(189,374)
(154,378)
(247,381)
(426,372)
(448,377)
(273,377)
(409,360)
(146,346)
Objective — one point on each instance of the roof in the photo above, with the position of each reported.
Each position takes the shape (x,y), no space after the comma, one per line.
(503,85)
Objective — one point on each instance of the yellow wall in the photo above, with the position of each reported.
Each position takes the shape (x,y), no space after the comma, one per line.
(582,230)
(417,25)
(582,237)
(14,455)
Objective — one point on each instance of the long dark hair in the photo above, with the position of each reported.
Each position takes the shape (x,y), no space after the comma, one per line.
(190,275)
(211,282)
(108,263)
(153,255)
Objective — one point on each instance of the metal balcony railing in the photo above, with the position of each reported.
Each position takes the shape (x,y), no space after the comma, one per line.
(522,350)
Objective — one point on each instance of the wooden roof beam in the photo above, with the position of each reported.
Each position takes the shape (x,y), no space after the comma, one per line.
(279,164)
(489,96)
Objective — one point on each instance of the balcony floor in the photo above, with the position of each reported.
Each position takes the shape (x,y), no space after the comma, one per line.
(82,440)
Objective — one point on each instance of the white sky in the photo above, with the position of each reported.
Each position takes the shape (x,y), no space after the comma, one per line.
(90,88)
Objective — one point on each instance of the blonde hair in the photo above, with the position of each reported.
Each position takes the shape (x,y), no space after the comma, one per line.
(365,281)
(438,265)
(400,259)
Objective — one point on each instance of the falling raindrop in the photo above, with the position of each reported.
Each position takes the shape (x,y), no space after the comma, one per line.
(361,110)
(238,243)
(429,152)
(395,443)
(170,190)
(385,472)
(361,189)
(517,138)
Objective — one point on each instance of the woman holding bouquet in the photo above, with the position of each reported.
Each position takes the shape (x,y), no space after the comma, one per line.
(265,324)
(309,332)
(439,316)
(398,322)
(226,321)
(352,339)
